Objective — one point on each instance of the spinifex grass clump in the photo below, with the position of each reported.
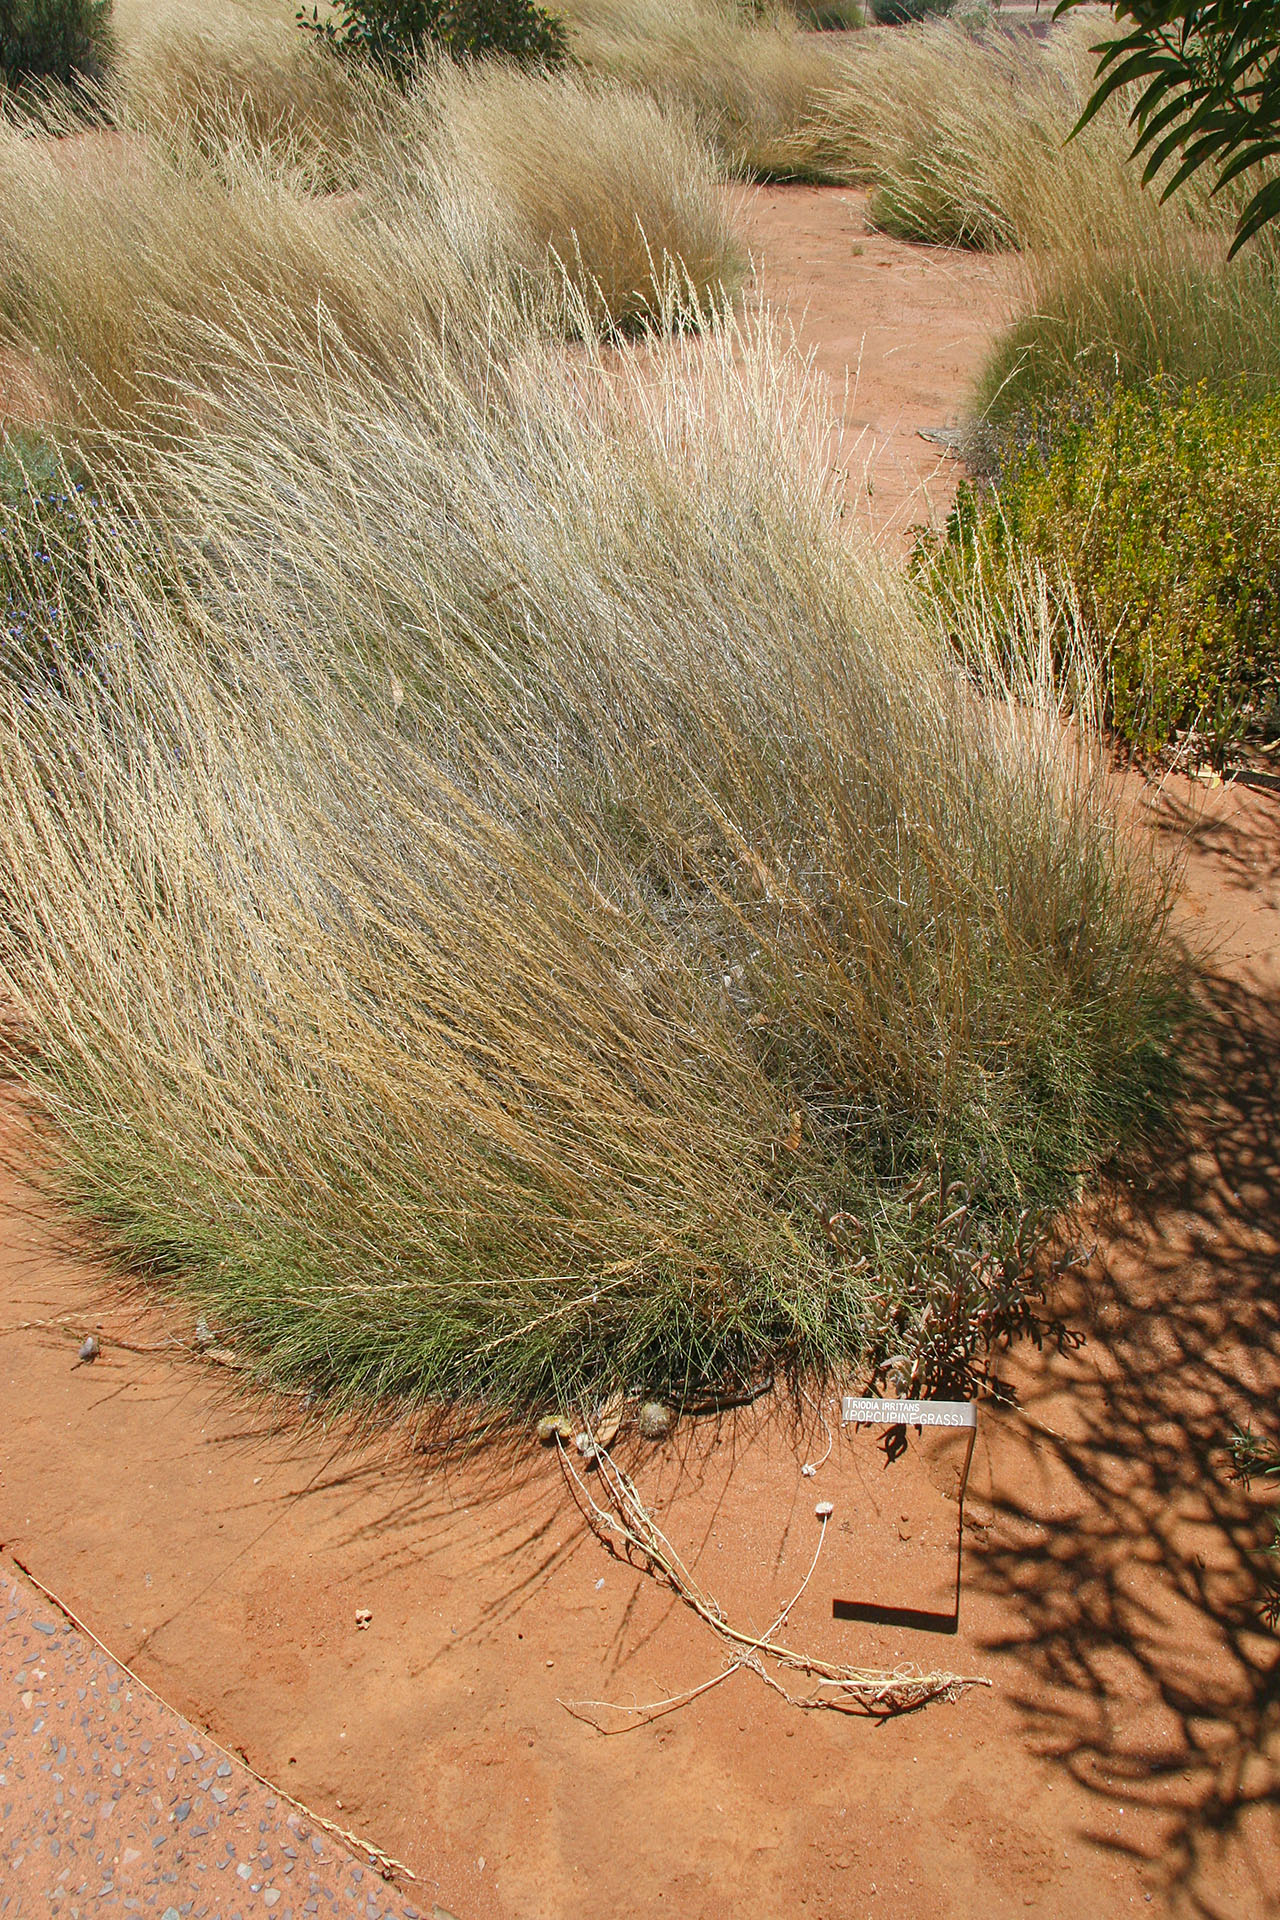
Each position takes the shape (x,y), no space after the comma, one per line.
(527,910)
(749,79)
(581,176)
(241,70)
(1161,514)
(748,75)
(139,262)
(964,137)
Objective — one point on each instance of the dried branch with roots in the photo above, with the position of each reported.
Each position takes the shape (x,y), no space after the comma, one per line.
(627,1528)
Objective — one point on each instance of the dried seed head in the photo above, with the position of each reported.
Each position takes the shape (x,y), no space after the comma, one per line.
(656,1420)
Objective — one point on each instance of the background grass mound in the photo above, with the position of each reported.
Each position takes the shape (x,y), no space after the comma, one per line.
(750,77)
(1161,514)
(590,178)
(518,908)
(242,71)
(138,266)
(963,135)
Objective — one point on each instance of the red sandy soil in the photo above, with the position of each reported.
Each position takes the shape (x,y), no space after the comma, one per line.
(1126,1754)
(897,333)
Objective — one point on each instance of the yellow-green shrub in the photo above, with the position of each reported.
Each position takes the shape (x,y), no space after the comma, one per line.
(1162,514)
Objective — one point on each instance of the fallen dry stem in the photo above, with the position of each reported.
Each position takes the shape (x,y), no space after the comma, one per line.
(850,1689)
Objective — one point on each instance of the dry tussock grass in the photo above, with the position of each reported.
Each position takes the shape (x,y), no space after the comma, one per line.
(750,83)
(577,196)
(965,138)
(244,70)
(238,70)
(965,141)
(109,255)
(619,190)
(504,903)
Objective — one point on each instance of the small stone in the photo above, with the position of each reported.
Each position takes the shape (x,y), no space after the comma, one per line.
(364,1618)
(656,1420)
(89,1350)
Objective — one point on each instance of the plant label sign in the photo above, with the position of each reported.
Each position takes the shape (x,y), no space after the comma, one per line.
(960,1416)
(908,1413)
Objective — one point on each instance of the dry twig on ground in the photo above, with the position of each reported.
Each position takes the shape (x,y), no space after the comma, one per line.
(627,1527)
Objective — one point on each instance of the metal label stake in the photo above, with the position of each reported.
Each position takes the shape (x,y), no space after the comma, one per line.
(913,1413)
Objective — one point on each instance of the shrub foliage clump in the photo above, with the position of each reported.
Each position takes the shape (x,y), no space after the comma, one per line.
(395,34)
(1162,514)
(62,40)
(897,13)
(45,564)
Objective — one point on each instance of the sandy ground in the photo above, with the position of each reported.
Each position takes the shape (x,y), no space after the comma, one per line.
(1125,1756)
(897,334)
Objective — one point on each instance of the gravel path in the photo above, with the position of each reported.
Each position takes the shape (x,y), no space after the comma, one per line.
(112,1804)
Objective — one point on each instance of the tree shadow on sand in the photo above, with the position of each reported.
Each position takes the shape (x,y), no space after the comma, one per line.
(1134,1560)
